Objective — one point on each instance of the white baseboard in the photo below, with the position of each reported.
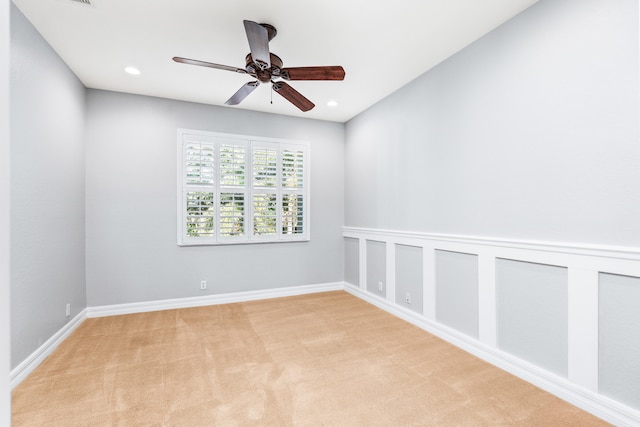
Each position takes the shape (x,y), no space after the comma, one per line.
(141,307)
(22,371)
(598,405)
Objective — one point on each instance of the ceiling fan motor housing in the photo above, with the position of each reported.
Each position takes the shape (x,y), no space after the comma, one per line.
(264,75)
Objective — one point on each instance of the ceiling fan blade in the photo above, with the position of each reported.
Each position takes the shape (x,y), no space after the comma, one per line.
(335,72)
(258,37)
(242,93)
(208,64)
(293,96)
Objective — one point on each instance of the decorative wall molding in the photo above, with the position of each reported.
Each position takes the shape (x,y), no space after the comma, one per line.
(584,262)
(601,406)
(627,253)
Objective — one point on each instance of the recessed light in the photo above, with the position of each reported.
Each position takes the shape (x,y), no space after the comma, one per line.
(332,103)
(132,70)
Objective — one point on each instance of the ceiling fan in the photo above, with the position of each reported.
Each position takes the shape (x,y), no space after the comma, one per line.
(266,67)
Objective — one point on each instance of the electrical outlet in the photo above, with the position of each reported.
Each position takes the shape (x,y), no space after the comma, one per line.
(380,286)
(203,284)
(407,298)
(68,310)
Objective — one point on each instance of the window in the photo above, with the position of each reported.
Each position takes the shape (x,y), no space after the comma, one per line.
(238,189)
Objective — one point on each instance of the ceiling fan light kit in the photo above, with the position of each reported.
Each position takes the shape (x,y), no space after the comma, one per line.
(267,67)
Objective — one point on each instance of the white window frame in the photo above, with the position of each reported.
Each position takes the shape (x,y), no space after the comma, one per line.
(216,140)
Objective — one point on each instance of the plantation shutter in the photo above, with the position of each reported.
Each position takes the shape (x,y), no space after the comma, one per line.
(199,189)
(232,209)
(293,190)
(199,163)
(265,192)
(235,189)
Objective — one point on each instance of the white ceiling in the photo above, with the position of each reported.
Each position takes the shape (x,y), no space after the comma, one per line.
(382,45)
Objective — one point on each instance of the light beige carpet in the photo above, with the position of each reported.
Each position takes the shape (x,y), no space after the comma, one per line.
(325,359)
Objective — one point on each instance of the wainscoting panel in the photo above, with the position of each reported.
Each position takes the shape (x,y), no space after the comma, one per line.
(408,277)
(457,291)
(619,349)
(376,256)
(562,316)
(533,313)
(351,261)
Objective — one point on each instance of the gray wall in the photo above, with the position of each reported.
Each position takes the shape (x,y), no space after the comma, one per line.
(531,132)
(5,397)
(47,190)
(132,254)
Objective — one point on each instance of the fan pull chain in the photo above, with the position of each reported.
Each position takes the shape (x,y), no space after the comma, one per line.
(271,96)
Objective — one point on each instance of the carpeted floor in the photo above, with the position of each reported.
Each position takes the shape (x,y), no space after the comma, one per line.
(325,359)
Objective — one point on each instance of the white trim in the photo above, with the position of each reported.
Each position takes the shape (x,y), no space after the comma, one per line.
(415,238)
(362,263)
(22,371)
(487,306)
(583,327)
(5,209)
(429,282)
(390,269)
(229,298)
(600,406)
